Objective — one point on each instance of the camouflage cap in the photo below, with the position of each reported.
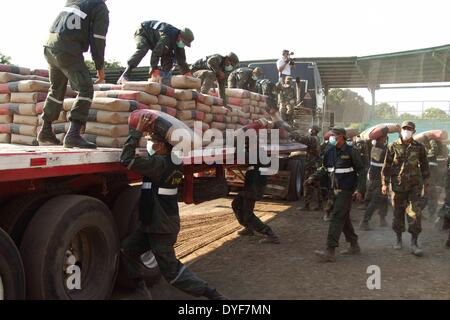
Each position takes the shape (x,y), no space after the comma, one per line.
(339,131)
(258,72)
(409,124)
(233,58)
(188,36)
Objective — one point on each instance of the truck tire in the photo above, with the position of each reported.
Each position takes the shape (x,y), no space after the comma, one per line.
(296,180)
(126,215)
(12,276)
(17,214)
(70,250)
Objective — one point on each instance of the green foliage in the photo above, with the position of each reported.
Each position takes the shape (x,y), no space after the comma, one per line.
(408,116)
(385,111)
(5,59)
(435,113)
(112,64)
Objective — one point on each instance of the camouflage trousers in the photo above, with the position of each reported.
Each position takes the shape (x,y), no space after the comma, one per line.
(377,201)
(287,110)
(407,204)
(312,192)
(340,220)
(162,246)
(208,79)
(244,211)
(65,68)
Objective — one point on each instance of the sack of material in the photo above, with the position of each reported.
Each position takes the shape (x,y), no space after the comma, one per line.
(191,124)
(165,125)
(5,138)
(219,110)
(41,73)
(168,110)
(59,128)
(26,109)
(228,119)
(16,70)
(254,103)
(6,77)
(209,117)
(255,96)
(235,119)
(239,101)
(108,117)
(107,87)
(238,93)
(106,142)
(24,140)
(190,115)
(152,88)
(186,95)
(28,97)
(138,96)
(109,104)
(251,109)
(23,130)
(167,101)
(27,120)
(425,137)
(351,133)
(218,125)
(231,126)
(5,119)
(186,105)
(219,118)
(107,130)
(25,86)
(5,98)
(61,119)
(203,107)
(380,130)
(262,104)
(182,82)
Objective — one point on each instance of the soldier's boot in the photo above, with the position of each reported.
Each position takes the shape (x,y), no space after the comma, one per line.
(246,232)
(365,226)
(141,291)
(46,136)
(415,249)
(74,139)
(353,250)
(213,294)
(125,76)
(399,244)
(329,255)
(270,237)
(383,222)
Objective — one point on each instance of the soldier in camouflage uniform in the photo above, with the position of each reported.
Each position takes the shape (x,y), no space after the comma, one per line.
(364,149)
(159,217)
(406,169)
(378,201)
(269,89)
(245,78)
(215,68)
(437,159)
(64,53)
(167,44)
(288,99)
(444,213)
(311,190)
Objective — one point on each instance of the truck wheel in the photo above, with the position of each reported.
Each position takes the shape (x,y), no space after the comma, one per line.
(12,276)
(126,214)
(17,214)
(70,250)
(296,180)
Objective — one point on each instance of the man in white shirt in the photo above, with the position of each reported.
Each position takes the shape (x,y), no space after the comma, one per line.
(285,65)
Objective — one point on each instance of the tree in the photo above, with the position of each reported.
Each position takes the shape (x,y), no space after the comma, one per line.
(408,116)
(112,64)
(385,111)
(435,113)
(4,59)
(347,105)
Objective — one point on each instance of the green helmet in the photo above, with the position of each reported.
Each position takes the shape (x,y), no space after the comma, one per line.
(258,72)
(233,59)
(188,36)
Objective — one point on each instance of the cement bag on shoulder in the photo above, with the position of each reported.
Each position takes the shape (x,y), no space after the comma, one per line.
(5,119)
(351,133)
(237,93)
(107,87)
(28,97)
(107,130)
(190,115)
(25,86)
(6,77)
(105,142)
(163,124)
(382,129)
(5,138)
(138,96)
(5,97)
(181,82)
(203,107)
(24,140)
(168,110)
(424,137)
(16,70)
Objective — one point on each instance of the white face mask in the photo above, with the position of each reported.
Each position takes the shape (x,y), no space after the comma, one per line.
(229,68)
(255,78)
(374,143)
(310,131)
(406,134)
(333,141)
(150,150)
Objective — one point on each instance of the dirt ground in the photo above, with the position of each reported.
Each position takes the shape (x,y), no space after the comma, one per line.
(242,269)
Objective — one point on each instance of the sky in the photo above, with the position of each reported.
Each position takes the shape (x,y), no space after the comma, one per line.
(252,29)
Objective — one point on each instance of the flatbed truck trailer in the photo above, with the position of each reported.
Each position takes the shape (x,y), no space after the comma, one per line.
(64,211)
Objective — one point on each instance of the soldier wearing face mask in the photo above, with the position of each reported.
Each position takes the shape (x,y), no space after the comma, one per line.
(378,201)
(406,169)
(288,97)
(215,68)
(245,78)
